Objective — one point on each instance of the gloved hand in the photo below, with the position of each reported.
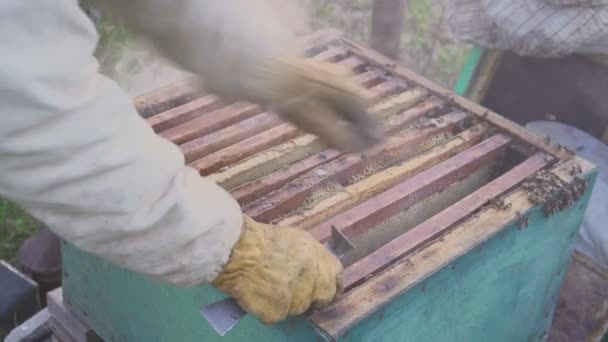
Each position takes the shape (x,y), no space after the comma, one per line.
(278,271)
(242,51)
(320,99)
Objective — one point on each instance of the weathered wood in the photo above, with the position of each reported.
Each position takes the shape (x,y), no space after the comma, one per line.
(440,223)
(370,78)
(332,55)
(517,131)
(387,25)
(183,113)
(353,63)
(582,312)
(414,268)
(248,147)
(405,101)
(377,209)
(268,161)
(67,321)
(381,181)
(292,195)
(212,142)
(210,122)
(167,97)
(264,185)
(256,189)
(384,89)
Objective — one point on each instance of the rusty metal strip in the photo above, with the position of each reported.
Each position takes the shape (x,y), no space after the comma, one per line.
(262,186)
(292,195)
(441,222)
(390,202)
(183,113)
(215,141)
(363,301)
(211,122)
(199,146)
(245,148)
(423,109)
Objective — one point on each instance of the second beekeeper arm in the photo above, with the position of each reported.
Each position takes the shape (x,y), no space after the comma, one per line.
(539,28)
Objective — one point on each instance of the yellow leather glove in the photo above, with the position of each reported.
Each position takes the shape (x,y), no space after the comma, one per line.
(275,271)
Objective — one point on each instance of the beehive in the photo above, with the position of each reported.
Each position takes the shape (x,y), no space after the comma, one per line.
(450,177)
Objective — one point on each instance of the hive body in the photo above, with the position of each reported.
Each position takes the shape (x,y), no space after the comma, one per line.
(461,220)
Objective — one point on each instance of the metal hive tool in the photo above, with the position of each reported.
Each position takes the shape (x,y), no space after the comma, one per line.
(446,160)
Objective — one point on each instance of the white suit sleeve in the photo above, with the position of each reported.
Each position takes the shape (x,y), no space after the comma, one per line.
(76,155)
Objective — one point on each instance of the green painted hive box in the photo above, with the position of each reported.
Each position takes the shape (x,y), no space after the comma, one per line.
(461,219)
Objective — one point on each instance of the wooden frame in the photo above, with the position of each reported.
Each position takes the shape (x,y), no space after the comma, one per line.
(383,180)
(297,149)
(415,267)
(271,167)
(293,193)
(431,228)
(416,188)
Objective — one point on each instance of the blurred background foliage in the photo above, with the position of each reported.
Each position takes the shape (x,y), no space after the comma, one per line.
(425,44)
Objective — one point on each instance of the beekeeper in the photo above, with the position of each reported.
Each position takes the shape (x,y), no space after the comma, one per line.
(550,29)
(76,155)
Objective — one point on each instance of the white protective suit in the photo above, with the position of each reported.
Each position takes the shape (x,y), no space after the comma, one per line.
(76,154)
(540,28)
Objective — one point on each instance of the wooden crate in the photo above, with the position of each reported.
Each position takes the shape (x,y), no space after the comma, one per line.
(470,216)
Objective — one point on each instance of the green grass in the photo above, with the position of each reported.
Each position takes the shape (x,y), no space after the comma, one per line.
(15,226)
